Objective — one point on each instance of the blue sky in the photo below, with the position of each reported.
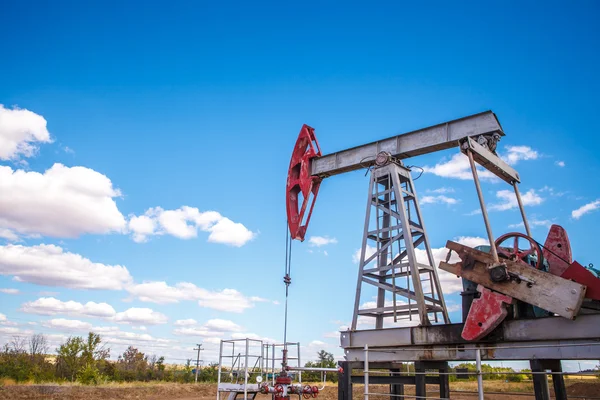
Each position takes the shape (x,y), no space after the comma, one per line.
(198,105)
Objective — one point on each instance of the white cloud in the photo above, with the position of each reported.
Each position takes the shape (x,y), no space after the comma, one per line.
(9,291)
(49,265)
(222,325)
(319,241)
(518,153)
(8,235)
(369,252)
(560,163)
(589,207)
(186,322)
(203,332)
(20,132)
(67,324)
(532,222)
(2,317)
(442,190)
(185,222)
(224,300)
(438,199)
(52,306)
(61,202)
(140,316)
(458,167)
(509,200)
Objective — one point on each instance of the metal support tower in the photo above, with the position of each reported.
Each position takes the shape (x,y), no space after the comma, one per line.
(394,228)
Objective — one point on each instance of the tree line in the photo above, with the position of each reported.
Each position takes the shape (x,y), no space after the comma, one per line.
(86,360)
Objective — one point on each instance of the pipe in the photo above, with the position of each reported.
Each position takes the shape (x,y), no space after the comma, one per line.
(525,223)
(366,372)
(486,219)
(479,376)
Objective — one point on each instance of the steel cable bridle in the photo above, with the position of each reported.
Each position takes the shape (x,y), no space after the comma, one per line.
(287,280)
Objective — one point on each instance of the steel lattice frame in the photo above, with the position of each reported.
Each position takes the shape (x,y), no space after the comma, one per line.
(397,232)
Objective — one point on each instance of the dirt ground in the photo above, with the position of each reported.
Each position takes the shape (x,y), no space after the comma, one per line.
(589,389)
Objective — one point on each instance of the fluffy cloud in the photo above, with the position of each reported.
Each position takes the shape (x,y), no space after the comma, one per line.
(222,325)
(49,265)
(369,252)
(225,300)
(589,207)
(20,132)
(52,306)
(61,202)
(442,190)
(509,200)
(67,324)
(141,316)
(438,199)
(518,153)
(319,241)
(186,322)
(560,163)
(458,166)
(9,291)
(533,222)
(185,222)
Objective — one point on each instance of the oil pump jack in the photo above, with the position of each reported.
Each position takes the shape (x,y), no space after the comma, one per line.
(500,281)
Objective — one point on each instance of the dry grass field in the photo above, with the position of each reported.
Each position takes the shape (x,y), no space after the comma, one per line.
(582,388)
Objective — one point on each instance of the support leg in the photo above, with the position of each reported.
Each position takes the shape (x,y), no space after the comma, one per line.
(420,387)
(540,381)
(558,381)
(345,382)
(396,389)
(444,381)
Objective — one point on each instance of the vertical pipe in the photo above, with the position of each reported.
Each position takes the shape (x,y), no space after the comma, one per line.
(273,367)
(299,363)
(525,223)
(483,209)
(479,376)
(366,371)
(219,373)
(246,371)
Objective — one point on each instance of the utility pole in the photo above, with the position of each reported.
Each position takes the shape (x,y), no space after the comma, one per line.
(198,360)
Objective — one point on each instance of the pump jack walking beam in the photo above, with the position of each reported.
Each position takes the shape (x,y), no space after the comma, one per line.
(477,134)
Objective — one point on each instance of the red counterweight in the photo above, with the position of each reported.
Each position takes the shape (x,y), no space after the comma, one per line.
(301,182)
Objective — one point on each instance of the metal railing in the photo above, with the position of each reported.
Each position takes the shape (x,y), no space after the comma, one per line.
(479,373)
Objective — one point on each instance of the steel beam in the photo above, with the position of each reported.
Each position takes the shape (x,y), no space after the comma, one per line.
(539,329)
(435,138)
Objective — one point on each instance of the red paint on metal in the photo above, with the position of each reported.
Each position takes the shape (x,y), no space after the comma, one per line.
(516,254)
(485,314)
(576,272)
(300,181)
(557,250)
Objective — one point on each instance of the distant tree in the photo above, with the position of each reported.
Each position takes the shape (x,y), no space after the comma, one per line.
(69,360)
(38,345)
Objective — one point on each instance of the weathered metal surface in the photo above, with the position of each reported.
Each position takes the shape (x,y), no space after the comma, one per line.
(490,161)
(556,350)
(427,140)
(576,272)
(486,313)
(301,182)
(557,250)
(521,330)
(547,291)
